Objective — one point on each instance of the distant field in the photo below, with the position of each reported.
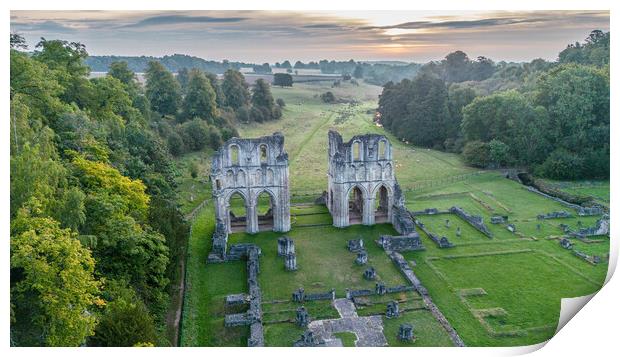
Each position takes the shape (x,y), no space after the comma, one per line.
(500,291)
(307,120)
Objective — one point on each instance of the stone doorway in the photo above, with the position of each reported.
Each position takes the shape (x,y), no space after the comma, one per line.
(264,210)
(237,213)
(356,205)
(382,202)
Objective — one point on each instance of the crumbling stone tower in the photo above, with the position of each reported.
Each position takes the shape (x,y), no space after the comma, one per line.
(247,169)
(361,181)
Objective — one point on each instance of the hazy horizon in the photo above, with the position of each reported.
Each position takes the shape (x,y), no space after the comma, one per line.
(275,36)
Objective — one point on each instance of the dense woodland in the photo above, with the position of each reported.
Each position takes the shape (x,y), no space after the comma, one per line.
(96,233)
(551,118)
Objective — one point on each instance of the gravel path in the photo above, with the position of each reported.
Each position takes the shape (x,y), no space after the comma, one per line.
(368,329)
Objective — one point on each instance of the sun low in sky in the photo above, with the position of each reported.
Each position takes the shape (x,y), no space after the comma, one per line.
(270,36)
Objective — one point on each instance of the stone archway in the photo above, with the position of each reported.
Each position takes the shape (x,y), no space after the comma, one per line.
(382,204)
(237,212)
(356,201)
(265,209)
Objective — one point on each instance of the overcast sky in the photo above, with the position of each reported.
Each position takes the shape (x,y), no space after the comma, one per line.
(267,36)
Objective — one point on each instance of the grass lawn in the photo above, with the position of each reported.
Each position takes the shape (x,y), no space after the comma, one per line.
(426,330)
(599,190)
(528,292)
(323,260)
(348,338)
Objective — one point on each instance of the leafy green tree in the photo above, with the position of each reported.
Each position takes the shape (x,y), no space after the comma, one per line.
(595,51)
(176,146)
(37,181)
(18,42)
(162,90)
(200,100)
(263,104)
(261,95)
(183,79)
(427,111)
(458,98)
(53,288)
(264,68)
(220,98)
(111,103)
(126,320)
(358,72)
(499,153)
(282,80)
(476,153)
(456,67)
(562,165)
(198,135)
(120,70)
(36,86)
(66,60)
(576,99)
(235,89)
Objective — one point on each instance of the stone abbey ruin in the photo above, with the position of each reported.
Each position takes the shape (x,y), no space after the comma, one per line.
(250,180)
(360,180)
(361,188)
(247,169)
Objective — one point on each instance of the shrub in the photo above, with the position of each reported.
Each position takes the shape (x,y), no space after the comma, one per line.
(476,153)
(193,169)
(197,135)
(561,165)
(328,97)
(280,102)
(277,112)
(243,114)
(125,322)
(175,144)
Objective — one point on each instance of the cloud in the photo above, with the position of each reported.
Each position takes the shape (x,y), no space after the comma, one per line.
(506,20)
(322,26)
(261,36)
(44,26)
(182,19)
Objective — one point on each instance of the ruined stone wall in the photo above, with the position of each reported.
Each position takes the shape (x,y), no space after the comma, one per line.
(365,163)
(250,167)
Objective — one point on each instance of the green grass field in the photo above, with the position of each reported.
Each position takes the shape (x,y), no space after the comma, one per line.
(499,291)
(599,190)
(307,120)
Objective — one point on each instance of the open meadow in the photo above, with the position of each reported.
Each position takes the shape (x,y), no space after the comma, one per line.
(502,290)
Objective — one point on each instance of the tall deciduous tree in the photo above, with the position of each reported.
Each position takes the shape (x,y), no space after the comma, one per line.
(200,99)
(282,80)
(235,89)
(53,289)
(162,90)
(263,104)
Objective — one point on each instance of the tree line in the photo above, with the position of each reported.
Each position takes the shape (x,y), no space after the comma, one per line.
(173,63)
(196,109)
(551,118)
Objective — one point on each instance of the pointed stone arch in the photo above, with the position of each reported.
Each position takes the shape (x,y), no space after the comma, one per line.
(383,200)
(237,211)
(266,207)
(356,198)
